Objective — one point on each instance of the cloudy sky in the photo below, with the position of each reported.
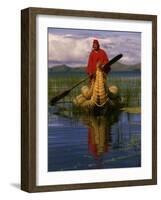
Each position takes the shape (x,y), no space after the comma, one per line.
(72,46)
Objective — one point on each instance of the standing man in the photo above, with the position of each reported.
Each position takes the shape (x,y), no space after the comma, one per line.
(96,55)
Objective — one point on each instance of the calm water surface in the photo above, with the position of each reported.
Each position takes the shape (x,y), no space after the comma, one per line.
(90,142)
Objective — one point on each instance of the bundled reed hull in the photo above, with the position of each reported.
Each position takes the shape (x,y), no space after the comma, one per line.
(98,97)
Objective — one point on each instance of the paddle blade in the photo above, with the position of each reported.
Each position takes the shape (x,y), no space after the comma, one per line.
(115,59)
(107,67)
(58,97)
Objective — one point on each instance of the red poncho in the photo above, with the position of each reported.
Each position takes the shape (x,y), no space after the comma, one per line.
(94,57)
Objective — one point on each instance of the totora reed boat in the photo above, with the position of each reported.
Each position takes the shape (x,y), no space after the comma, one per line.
(98,96)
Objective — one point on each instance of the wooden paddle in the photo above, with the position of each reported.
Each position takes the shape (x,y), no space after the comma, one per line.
(106,68)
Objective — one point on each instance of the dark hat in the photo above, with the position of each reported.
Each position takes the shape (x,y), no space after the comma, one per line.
(95,41)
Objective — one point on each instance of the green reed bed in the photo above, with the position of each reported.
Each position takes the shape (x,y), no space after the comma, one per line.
(56,85)
(129,89)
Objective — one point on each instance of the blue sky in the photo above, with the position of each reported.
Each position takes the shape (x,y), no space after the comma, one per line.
(72,46)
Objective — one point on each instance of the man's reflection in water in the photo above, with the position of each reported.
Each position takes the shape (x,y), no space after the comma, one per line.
(99,137)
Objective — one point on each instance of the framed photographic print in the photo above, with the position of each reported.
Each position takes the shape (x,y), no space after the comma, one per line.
(89,99)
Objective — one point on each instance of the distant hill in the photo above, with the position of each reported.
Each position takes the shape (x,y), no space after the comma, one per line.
(115,68)
(122,67)
(67,69)
(60,68)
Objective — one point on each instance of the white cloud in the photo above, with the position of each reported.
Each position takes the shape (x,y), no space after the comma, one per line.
(63,48)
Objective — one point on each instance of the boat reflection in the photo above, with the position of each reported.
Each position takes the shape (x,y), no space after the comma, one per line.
(99,128)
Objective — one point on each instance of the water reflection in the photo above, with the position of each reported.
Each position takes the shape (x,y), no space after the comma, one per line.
(94,142)
(98,132)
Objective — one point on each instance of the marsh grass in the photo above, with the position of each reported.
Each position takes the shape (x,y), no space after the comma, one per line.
(56,85)
(129,89)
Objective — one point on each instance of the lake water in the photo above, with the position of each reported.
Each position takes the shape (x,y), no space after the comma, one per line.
(94,142)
